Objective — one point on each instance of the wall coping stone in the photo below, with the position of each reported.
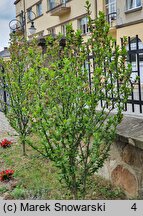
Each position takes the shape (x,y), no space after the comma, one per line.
(130,131)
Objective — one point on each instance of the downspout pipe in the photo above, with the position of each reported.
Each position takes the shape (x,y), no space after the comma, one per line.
(24,9)
(95,8)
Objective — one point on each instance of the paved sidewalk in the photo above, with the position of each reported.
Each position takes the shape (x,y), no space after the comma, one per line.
(6,131)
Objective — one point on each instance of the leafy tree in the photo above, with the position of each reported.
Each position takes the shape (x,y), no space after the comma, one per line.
(21,59)
(75,130)
(67,97)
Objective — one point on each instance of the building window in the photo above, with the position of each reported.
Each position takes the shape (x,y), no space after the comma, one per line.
(131,4)
(29,14)
(64,1)
(83,24)
(51,4)
(20,18)
(111,9)
(54,3)
(51,31)
(39,9)
(63,29)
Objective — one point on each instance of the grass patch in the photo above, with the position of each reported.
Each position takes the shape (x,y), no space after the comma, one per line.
(3,189)
(36,178)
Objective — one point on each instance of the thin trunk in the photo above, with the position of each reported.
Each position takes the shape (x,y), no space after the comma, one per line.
(84,185)
(74,190)
(75,196)
(23,147)
(85,169)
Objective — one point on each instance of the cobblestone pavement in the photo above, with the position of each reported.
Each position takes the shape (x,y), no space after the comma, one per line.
(6,131)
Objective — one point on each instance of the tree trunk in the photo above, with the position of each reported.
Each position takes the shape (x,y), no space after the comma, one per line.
(23,147)
(74,192)
(84,187)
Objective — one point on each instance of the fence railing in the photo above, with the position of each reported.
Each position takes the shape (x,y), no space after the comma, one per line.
(135,58)
(3,94)
(134,103)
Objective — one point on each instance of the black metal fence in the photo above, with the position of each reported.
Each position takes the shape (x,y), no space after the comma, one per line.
(134,48)
(3,94)
(135,58)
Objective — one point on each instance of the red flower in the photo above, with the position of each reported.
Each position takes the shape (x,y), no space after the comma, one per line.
(5,143)
(6,175)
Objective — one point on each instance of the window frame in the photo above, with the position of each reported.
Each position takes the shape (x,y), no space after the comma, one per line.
(51,4)
(29,14)
(52,31)
(84,27)
(111,9)
(134,6)
(39,11)
(63,29)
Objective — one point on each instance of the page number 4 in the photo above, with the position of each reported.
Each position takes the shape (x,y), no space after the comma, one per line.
(134,207)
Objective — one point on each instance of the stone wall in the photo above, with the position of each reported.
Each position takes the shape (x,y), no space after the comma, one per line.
(124,167)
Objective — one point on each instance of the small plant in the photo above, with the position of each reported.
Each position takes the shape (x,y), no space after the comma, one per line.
(3,190)
(18,193)
(5,143)
(6,175)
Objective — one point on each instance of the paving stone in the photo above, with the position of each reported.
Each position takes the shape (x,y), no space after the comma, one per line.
(6,131)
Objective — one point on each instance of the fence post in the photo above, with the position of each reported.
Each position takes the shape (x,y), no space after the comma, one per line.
(4,91)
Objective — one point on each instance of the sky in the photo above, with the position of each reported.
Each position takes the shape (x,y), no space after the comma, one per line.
(7,13)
